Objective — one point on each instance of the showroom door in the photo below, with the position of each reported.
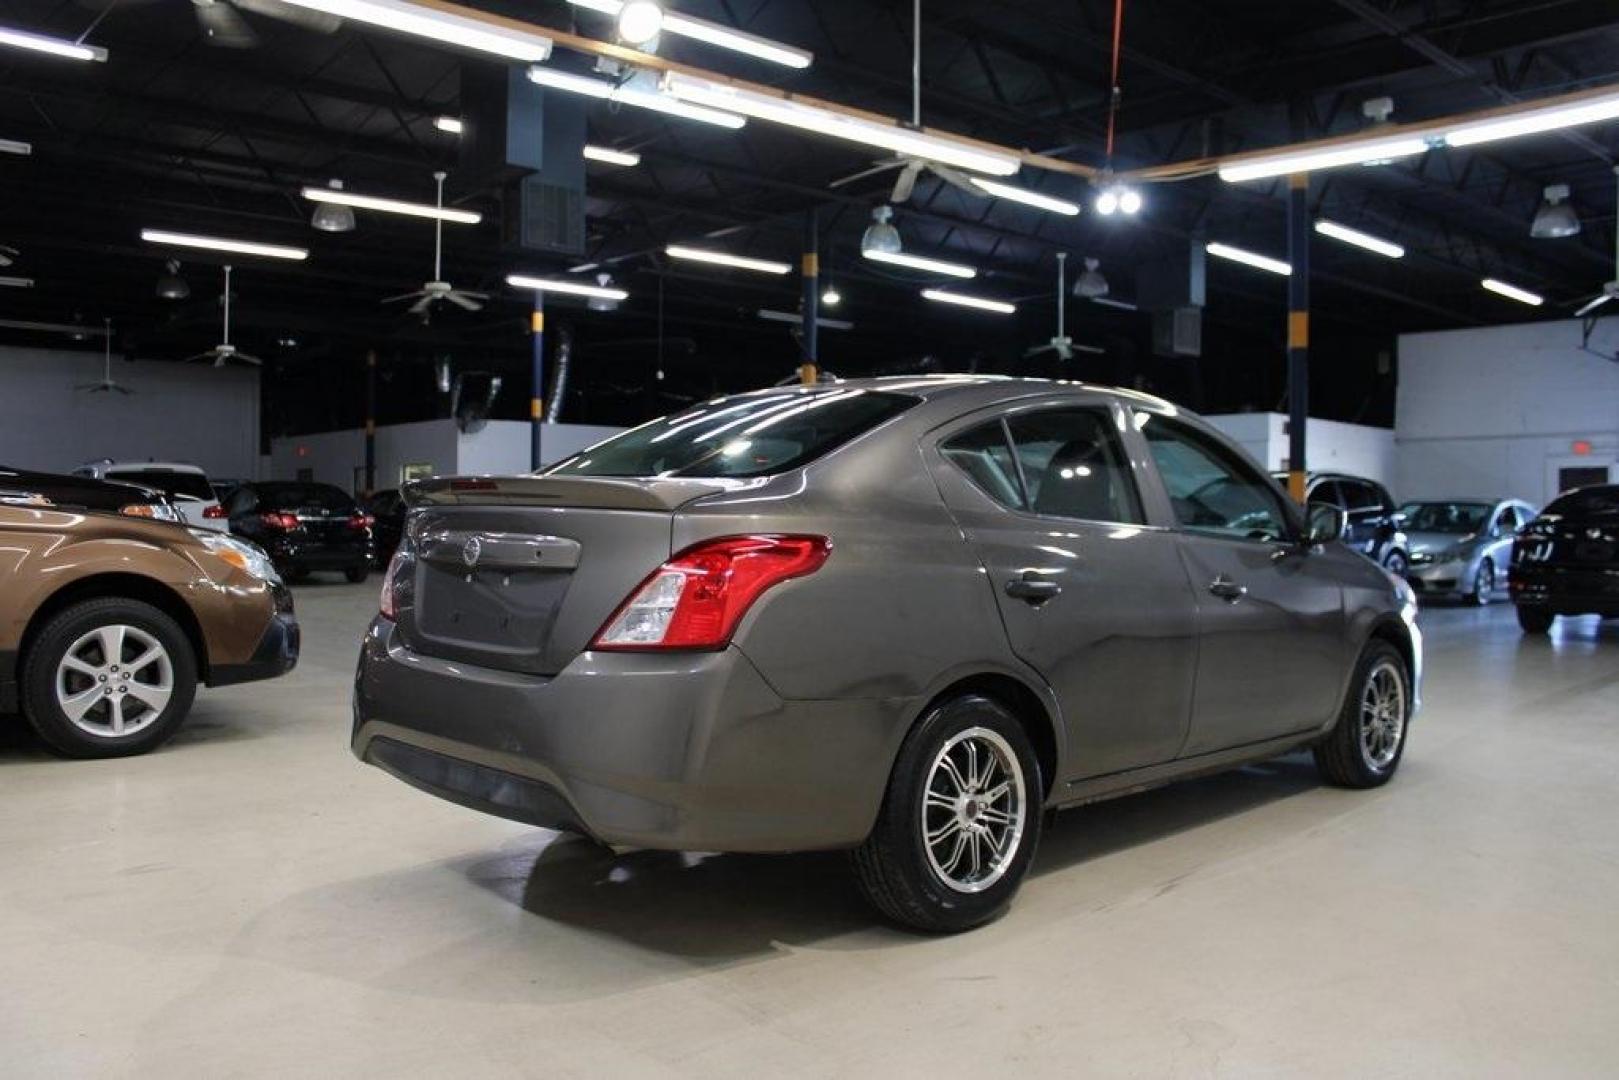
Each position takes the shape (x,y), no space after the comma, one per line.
(1092,598)
(1270,615)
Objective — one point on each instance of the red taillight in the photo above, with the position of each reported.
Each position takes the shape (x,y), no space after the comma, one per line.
(386,604)
(214,512)
(361,520)
(696,599)
(277,519)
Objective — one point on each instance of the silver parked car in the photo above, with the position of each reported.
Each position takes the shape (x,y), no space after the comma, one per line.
(1462,547)
(901,617)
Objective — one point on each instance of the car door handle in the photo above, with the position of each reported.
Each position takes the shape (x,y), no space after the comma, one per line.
(1032,589)
(1226,589)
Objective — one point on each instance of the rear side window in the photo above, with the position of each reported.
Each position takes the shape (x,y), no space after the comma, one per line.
(756,435)
(1359,495)
(170,482)
(1062,463)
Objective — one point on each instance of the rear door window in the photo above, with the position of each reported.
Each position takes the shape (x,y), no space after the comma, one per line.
(985,455)
(756,435)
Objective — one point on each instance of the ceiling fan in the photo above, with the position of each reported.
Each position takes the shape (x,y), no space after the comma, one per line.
(1061,344)
(225,352)
(1610,291)
(438,289)
(107,385)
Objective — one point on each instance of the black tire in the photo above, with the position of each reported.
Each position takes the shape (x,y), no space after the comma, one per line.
(1395,562)
(1341,756)
(1483,583)
(1534,620)
(893,865)
(357,574)
(40,668)
(294,574)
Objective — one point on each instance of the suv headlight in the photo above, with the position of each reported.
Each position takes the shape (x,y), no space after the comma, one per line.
(246,557)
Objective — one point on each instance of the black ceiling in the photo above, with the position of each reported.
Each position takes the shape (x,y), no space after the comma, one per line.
(173,132)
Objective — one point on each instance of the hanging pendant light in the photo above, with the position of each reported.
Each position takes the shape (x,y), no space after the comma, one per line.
(170,285)
(881,235)
(333,217)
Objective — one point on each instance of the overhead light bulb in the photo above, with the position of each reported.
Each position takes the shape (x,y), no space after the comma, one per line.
(170,285)
(981,303)
(831,297)
(1129,200)
(450,125)
(639,22)
(1513,292)
(71,50)
(1107,202)
(333,217)
(1248,258)
(603,301)
(1555,218)
(881,235)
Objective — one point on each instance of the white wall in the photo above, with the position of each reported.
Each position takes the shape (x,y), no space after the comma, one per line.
(1496,411)
(178,412)
(1330,446)
(501,447)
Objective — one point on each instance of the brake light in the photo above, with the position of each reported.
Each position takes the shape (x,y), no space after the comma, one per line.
(696,599)
(361,520)
(278,519)
(214,512)
(386,603)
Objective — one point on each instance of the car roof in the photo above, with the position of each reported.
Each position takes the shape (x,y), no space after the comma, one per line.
(975,389)
(101,493)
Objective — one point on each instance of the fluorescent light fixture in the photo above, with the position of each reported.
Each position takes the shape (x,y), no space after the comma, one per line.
(485,35)
(1027,197)
(572,288)
(981,303)
(1249,258)
(1512,292)
(630,94)
(1532,121)
(17,282)
(450,124)
(720,258)
(921,262)
(715,34)
(796,319)
(1261,166)
(12,146)
(610,156)
(217,243)
(881,133)
(1108,301)
(71,50)
(1358,238)
(390,206)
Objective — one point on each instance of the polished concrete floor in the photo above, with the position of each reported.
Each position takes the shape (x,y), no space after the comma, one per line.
(251,901)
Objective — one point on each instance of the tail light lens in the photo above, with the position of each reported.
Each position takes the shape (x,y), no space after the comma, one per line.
(361,520)
(696,599)
(387,603)
(214,512)
(279,519)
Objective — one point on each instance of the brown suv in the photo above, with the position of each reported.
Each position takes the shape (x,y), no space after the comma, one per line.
(111,613)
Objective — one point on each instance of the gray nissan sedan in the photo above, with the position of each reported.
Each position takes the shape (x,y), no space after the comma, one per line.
(898,616)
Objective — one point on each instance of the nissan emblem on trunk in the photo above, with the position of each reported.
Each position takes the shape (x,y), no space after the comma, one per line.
(471,550)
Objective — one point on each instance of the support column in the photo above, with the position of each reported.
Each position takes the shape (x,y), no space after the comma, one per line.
(810,309)
(1298,330)
(370,422)
(536,401)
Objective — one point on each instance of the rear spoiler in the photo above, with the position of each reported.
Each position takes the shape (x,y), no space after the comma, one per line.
(595,492)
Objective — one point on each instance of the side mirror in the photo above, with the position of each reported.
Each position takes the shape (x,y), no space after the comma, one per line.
(1326,523)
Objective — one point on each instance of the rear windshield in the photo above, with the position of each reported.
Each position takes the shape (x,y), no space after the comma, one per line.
(1446,517)
(1587,502)
(170,482)
(754,435)
(292,496)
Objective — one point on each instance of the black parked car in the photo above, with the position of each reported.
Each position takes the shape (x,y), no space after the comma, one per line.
(304,526)
(21,487)
(388,508)
(1566,561)
(1374,522)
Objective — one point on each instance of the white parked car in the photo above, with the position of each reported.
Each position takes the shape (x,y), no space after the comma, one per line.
(186,486)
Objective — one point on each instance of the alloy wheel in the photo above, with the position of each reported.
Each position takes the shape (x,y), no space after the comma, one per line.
(1382,715)
(974,807)
(114,681)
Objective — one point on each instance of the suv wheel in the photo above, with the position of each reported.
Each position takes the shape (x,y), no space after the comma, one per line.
(1395,562)
(1365,745)
(357,574)
(959,822)
(108,678)
(1534,620)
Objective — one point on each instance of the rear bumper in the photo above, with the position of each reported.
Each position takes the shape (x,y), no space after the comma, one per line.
(689,751)
(1566,591)
(293,553)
